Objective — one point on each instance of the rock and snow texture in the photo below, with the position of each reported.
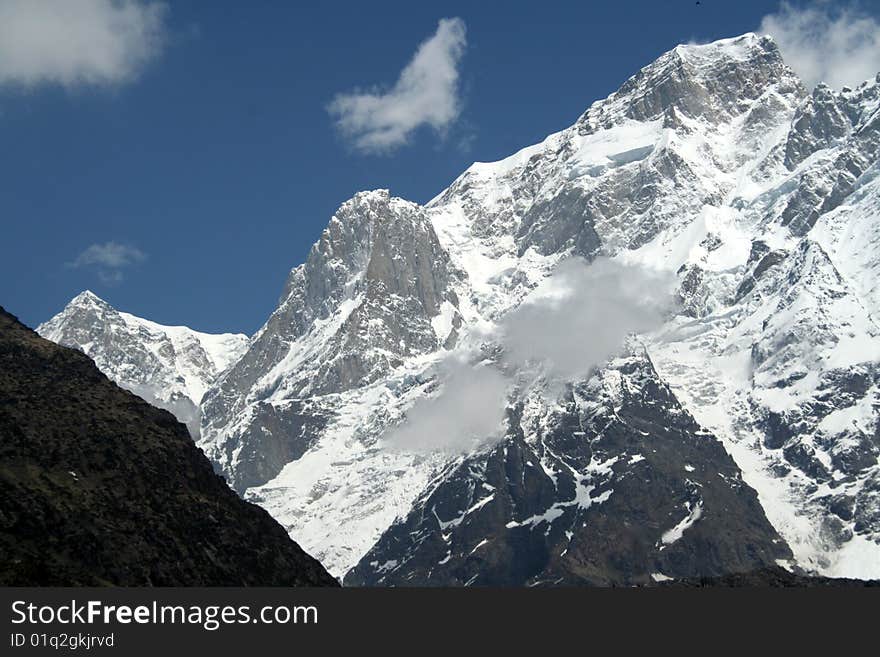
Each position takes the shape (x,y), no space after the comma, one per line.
(742,431)
(169,366)
(374,298)
(590,490)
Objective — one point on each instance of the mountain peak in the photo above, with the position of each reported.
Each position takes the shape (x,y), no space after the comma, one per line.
(175,364)
(711,82)
(744,47)
(367,197)
(87,298)
(379,194)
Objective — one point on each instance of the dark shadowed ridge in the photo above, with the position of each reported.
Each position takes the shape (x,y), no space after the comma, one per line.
(772,577)
(97,487)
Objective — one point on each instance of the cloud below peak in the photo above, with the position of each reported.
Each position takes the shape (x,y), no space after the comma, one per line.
(78,42)
(109,259)
(826,42)
(577,319)
(425,94)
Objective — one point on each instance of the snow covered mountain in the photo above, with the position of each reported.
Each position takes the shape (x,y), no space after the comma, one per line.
(169,366)
(434,400)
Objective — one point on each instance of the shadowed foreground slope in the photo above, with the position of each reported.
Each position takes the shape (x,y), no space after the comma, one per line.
(773,577)
(97,487)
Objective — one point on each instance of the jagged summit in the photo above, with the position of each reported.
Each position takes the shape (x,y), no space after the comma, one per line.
(376,194)
(690,80)
(706,81)
(375,290)
(744,47)
(86,298)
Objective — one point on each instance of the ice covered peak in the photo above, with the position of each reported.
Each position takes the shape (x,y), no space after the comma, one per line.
(374,194)
(742,48)
(169,366)
(368,197)
(353,225)
(372,204)
(711,82)
(87,298)
(85,309)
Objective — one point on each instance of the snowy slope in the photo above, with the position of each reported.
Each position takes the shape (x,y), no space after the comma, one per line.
(764,201)
(169,366)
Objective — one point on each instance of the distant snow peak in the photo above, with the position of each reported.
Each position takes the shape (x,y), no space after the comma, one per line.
(169,366)
(86,296)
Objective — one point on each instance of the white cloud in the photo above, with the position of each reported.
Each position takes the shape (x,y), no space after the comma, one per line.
(465,413)
(579,318)
(110,254)
(826,42)
(109,259)
(581,315)
(78,42)
(426,93)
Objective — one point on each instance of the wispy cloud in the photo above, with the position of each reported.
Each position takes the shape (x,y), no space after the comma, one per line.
(426,94)
(78,42)
(582,314)
(826,42)
(464,414)
(109,260)
(579,318)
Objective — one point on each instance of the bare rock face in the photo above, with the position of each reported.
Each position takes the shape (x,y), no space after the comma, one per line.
(362,303)
(822,119)
(97,487)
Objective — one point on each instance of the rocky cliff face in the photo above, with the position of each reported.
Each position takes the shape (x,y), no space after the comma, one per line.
(97,487)
(374,292)
(745,427)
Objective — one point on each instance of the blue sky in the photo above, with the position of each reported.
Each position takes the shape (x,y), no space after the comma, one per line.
(181,168)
